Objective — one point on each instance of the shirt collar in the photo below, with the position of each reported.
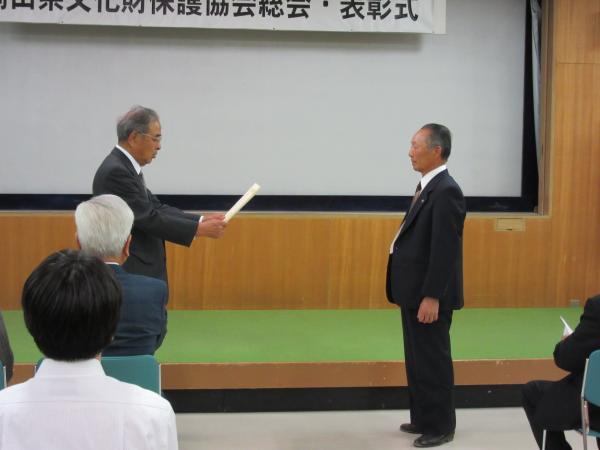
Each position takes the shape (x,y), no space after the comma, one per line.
(430,175)
(135,164)
(53,368)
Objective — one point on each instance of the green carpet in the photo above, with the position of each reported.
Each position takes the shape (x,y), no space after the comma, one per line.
(334,335)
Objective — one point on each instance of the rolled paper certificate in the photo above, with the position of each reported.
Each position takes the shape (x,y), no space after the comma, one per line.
(242,202)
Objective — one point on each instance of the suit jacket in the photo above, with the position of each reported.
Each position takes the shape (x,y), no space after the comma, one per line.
(427,255)
(570,355)
(6,353)
(154,222)
(143,321)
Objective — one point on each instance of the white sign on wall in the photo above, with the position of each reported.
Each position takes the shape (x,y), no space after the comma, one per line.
(390,16)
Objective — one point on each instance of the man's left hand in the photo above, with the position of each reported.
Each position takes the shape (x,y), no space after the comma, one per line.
(428,310)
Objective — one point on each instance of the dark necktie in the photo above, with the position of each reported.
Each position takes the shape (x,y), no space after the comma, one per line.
(415,198)
(412,203)
(144,183)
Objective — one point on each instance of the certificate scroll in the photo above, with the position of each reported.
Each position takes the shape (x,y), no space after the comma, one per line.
(242,202)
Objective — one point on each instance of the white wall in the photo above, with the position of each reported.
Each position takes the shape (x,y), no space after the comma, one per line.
(302,113)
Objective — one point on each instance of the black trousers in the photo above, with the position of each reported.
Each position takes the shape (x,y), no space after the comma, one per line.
(549,408)
(429,372)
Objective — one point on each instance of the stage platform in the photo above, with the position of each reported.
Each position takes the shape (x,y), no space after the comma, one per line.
(333,355)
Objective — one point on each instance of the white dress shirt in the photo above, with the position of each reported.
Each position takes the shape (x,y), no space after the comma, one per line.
(430,175)
(75,406)
(134,163)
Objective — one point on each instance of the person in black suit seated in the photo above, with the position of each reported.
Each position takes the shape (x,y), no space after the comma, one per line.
(6,353)
(555,405)
(425,279)
(139,134)
(103,230)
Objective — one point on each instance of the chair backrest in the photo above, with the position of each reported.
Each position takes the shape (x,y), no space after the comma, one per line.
(591,387)
(142,370)
(2,376)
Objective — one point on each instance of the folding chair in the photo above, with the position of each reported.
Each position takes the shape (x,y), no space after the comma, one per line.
(590,393)
(142,370)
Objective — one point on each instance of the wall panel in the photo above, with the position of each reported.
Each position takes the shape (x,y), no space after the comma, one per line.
(578,31)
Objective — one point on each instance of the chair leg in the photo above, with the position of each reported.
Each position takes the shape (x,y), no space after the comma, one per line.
(584,423)
(544,440)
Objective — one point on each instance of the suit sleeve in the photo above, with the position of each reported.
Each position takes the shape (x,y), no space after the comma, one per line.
(446,240)
(166,209)
(570,354)
(151,216)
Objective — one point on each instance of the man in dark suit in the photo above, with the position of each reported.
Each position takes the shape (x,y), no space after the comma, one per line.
(139,135)
(424,278)
(555,405)
(103,230)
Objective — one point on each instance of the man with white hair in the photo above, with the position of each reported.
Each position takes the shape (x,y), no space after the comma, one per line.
(104,230)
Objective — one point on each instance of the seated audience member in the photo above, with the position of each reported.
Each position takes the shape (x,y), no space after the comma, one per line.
(103,230)
(554,406)
(6,354)
(71,305)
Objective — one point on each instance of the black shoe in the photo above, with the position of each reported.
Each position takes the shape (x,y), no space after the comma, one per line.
(410,428)
(430,440)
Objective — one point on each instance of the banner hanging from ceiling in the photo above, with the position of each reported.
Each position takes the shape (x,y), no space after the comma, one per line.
(387,16)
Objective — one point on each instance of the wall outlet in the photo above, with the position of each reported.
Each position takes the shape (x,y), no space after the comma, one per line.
(574,303)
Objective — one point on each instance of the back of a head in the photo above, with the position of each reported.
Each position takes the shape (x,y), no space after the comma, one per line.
(103,225)
(71,304)
(439,135)
(138,118)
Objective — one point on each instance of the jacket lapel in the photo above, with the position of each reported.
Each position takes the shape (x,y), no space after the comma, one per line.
(124,160)
(422,200)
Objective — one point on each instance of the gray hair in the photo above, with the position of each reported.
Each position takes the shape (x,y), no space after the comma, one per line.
(138,118)
(103,225)
(439,135)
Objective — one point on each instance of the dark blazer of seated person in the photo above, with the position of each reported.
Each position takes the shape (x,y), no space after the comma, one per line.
(103,230)
(143,321)
(555,405)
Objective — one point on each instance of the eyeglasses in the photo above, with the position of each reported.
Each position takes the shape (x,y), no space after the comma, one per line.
(156,139)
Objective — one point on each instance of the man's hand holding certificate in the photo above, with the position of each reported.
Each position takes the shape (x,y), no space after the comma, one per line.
(212,225)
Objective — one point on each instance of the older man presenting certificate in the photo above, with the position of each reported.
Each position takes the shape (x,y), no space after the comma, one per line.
(139,135)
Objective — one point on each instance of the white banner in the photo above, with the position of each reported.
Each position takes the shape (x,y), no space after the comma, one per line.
(395,16)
